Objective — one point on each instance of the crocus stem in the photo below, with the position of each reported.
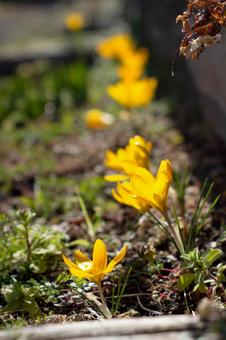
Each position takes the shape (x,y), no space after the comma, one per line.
(175,235)
(105,310)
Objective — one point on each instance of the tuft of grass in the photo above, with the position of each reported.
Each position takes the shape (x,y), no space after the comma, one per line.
(117,294)
(181,180)
(200,216)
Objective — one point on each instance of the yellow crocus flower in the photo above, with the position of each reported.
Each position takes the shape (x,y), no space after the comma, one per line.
(124,194)
(144,191)
(116,46)
(127,73)
(94,270)
(133,64)
(133,94)
(153,189)
(74,21)
(136,57)
(135,154)
(97,119)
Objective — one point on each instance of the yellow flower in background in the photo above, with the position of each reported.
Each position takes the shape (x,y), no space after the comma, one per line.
(133,94)
(135,154)
(133,64)
(144,191)
(127,73)
(94,270)
(74,21)
(137,57)
(116,46)
(97,119)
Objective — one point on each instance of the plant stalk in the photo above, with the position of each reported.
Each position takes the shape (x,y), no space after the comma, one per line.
(105,310)
(175,235)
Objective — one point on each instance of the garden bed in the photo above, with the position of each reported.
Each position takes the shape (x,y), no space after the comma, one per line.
(54,199)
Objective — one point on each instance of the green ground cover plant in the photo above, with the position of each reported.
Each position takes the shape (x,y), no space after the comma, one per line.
(41,88)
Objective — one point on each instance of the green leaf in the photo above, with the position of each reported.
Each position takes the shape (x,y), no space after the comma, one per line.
(21,299)
(184,281)
(90,225)
(79,242)
(200,287)
(212,255)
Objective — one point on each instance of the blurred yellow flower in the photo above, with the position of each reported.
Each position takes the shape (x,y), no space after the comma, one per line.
(144,190)
(133,94)
(94,270)
(97,119)
(116,46)
(138,57)
(127,73)
(133,64)
(74,21)
(135,154)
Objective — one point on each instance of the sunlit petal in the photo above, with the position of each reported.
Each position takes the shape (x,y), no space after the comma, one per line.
(80,274)
(118,258)
(99,256)
(142,182)
(74,269)
(80,256)
(116,178)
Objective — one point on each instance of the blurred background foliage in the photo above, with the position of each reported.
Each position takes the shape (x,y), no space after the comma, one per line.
(42,88)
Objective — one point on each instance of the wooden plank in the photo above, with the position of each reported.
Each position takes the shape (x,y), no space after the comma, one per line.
(159,336)
(136,327)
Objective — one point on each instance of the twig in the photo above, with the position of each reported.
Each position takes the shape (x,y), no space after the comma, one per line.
(147,309)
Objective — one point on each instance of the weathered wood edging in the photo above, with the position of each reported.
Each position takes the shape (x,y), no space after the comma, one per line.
(173,327)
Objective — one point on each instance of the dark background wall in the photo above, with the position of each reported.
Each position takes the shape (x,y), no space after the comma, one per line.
(199,83)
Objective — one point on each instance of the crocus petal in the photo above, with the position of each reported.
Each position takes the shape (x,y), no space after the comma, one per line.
(80,256)
(68,262)
(165,167)
(110,158)
(117,46)
(118,258)
(116,178)
(133,93)
(81,274)
(126,160)
(75,271)
(99,256)
(129,167)
(125,197)
(162,184)
(117,197)
(158,203)
(113,161)
(142,182)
